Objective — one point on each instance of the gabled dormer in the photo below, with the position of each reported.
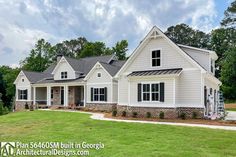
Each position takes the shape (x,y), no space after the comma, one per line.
(63,70)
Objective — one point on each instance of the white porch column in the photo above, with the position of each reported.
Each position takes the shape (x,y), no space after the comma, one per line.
(34,95)
(48,95)
(65,95)
(84,90)
(17,94)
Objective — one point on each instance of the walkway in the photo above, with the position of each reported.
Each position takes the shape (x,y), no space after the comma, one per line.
(100,116)
(231,115)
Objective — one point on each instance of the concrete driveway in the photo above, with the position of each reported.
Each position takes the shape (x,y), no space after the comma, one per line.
(231,115)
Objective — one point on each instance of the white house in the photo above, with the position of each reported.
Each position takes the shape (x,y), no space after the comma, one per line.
(160,75)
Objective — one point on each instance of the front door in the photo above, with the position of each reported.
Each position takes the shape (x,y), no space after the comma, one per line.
(62,95)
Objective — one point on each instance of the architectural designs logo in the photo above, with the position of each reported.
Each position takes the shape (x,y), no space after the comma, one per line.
(7,148)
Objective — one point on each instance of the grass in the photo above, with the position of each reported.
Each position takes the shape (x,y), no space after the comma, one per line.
(120,139)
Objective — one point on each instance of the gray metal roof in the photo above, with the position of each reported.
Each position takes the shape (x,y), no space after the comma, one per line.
(51,80)
(156,72)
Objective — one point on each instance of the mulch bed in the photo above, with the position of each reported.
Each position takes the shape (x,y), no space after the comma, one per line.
(188,121)
(230,105)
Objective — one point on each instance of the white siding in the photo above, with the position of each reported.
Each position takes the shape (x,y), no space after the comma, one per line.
(100,82)
(168,92)
(23,85)
(115,92)
(188,89)
(123,90)
(63,66)
(203,58)
(170,58)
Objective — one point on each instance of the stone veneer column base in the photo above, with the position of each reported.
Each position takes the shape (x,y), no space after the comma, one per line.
(170,113)
(20,105)
(103,107)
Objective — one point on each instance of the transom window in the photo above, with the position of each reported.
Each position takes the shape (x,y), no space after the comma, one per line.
(156,58)
(99,94)
(23,94)
(64,75)
(150,92)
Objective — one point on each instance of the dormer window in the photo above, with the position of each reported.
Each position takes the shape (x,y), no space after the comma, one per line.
(64,75)
(156,58)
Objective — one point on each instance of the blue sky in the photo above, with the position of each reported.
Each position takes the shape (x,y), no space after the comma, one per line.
(22,23)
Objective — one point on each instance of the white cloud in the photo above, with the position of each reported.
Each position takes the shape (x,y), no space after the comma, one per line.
(23,22)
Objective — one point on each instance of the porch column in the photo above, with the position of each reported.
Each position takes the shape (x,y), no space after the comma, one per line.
(34,95)
(84,90)
(17,94)
(65,95)
(48,95)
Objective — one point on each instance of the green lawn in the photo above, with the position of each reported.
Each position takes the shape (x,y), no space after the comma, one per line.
(120,139)
(231,109)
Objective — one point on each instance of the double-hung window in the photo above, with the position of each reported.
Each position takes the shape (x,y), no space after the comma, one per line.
(98,94)
(22,94)
(156,58)
(64,75)
(150,92)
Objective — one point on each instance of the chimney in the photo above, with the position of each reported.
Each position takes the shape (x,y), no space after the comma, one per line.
(59,55)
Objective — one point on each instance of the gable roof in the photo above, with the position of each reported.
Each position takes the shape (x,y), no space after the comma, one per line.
(33,77)
(155,33)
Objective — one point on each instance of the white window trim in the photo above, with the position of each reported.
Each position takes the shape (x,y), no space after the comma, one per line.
(156,49)
(22,95)
(98,94)
(150,92)
(63,76)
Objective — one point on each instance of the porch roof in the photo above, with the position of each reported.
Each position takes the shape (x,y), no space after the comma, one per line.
(174,71)
(51,80)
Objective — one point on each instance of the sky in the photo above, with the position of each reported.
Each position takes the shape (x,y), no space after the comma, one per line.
(23,22)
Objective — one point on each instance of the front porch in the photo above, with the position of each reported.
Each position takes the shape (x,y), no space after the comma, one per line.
(59,95)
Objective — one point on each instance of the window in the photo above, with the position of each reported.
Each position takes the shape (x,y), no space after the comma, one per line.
(99,94)
(23,80)
(152,94)
(99,74)
(156,58)
(64,75)
(22,94)
(212,65)
(51,93)
(146,92)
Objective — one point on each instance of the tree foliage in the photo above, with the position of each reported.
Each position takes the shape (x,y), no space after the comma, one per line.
(184,34)
(228,74)
(120,49)
(230,16)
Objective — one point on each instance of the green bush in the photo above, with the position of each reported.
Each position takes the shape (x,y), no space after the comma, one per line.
(161,115)
(183,115)
(148,115)
(114,113)
(134,114)
(1,108)
(194,115)
(123,114)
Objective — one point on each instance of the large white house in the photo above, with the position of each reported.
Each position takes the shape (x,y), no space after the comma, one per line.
(160,75)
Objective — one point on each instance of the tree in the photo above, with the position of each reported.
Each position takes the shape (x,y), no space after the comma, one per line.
(230,16)
(71,48)
(228,74)
(120,49)
(40,57)
(7,88)
(95,49)
(183,34)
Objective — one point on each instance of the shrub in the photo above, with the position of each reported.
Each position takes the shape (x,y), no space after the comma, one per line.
(124,114)
(26,106)
(148,115)
(31,107)
(183,115)
(134,114)
(194,115)
(114,113)
(1,108)
(161,115)
(5,110)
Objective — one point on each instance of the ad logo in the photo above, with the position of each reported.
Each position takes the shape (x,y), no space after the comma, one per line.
(7,148)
